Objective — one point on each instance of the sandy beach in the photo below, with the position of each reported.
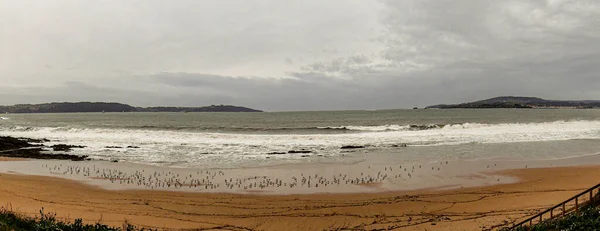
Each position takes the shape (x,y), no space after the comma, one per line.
(299,115)
(378,194)
(474,208)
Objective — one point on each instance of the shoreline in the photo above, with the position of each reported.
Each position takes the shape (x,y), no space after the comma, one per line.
(299,179)
(481,194)
(424,209)
(276,180)
(472,194)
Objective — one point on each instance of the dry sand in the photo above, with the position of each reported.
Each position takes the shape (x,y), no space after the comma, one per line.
(460,209)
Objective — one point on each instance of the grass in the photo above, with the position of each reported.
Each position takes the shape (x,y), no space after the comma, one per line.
(586,219)
(12,221)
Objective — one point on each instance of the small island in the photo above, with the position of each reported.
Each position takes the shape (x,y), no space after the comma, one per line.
(68,107)
(522,102)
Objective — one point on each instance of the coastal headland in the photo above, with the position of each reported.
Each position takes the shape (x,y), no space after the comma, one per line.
(75,107)
(522,102)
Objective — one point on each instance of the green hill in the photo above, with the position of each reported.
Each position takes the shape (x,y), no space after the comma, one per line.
(522,102)
(68,107)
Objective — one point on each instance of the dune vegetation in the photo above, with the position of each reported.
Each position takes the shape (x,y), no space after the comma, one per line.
(13,221)
(587,218)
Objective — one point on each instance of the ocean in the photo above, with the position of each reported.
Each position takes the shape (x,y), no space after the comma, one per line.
(243,140)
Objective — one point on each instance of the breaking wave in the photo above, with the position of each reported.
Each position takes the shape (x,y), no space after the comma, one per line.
(157,146)
(384,128)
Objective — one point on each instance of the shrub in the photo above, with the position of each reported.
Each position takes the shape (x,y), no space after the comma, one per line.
(586,219)
(11,221)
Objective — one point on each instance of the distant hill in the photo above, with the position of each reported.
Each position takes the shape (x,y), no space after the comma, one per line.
(212,108)
(112,107)
(522,102)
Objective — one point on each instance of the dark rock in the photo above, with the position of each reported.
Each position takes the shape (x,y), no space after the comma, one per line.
(414,127)
(31,140)
(133,147)
(113,147)
(65,147)
(114,161)
(276,153)
(305,156)
(35,153)
(23,148)
(299,151)
(9,143)
(399,145)
(352,147)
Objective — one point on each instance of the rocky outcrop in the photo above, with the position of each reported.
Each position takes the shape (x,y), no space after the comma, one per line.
(352,147)
(65,147)
(32,149)
(299,151)
(10,143)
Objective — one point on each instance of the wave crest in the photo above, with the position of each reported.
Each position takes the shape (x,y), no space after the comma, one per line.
(396,127)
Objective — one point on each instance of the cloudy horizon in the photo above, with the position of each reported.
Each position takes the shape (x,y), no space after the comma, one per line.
(298,55)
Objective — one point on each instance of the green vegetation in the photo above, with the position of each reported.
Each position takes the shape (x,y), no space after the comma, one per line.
(68,107)
(586,219)
(521,102)
(12,221)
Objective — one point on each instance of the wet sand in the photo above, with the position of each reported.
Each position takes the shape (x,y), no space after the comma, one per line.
(473,208)
(274,180)
(12,159)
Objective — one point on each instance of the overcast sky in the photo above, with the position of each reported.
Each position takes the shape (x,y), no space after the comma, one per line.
(298,54)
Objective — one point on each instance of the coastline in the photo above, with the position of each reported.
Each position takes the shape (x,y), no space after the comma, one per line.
(472,208)
(298,179)
(476,194)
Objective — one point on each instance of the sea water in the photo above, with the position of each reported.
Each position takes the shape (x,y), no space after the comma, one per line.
(241,140)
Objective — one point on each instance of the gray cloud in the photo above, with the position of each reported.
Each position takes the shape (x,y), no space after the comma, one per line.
(305,55)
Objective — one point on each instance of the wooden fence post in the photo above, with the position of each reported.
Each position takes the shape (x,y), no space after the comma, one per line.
(594,199)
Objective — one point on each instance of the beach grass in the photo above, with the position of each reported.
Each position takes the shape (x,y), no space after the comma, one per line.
(14,221)
(586,219)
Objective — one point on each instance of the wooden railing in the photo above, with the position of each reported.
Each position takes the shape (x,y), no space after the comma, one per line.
(569,205)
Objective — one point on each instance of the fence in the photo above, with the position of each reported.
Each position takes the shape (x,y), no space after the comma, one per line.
(569,205)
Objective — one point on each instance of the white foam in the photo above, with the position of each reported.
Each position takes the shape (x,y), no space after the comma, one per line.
(388,127)
(176,147)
